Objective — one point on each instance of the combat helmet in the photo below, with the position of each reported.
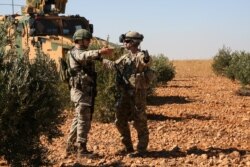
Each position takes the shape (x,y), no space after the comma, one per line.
(131,35)
(82,34)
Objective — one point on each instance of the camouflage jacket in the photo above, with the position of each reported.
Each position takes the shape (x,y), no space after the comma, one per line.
(82,63)
(83,58)
(132,67)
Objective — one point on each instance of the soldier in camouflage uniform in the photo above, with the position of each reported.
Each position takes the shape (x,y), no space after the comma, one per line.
(132,82)
(83,88)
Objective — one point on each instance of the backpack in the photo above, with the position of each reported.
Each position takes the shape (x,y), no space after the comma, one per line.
(64,68)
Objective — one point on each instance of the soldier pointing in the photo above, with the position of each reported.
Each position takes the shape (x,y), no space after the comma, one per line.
(83,89)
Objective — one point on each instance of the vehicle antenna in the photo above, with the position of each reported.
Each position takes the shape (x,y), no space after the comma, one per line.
(107,41)
(12,6)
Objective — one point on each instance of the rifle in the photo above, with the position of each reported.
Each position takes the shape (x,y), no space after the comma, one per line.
(121,79)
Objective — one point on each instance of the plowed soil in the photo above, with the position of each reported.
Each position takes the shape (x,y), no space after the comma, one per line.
(196,119)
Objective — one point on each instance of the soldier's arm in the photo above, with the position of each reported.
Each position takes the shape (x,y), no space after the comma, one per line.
(88,55)
(108,64)
(94,54)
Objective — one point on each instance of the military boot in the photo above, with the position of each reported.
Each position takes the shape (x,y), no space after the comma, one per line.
(82,150)
(125,151)
(138,153)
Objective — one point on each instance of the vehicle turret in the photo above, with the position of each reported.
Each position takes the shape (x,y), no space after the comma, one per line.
(44,7)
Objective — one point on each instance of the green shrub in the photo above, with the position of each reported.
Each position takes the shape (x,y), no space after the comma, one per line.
(30,105)
(233,65)
(221,61)
(240,66)
(107,93)
(164,69)
(106,97)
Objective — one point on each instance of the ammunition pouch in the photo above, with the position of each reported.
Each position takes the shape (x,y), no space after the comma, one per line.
(86,85)
(81,81)
(138,81)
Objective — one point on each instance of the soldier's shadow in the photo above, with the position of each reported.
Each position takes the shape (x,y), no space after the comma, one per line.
(116,163)
(178,86)
(215,151)
(160,117)
(164,154)
(176,153)
(161,100)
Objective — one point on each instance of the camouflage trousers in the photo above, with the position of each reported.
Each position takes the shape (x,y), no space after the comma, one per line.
(81,123)
(132,106)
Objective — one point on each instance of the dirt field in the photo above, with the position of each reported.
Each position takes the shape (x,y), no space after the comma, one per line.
(194,120)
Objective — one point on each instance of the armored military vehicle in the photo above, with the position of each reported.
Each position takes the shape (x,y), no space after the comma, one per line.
(42,26)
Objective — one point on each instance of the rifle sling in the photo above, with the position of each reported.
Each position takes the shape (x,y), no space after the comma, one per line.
(81,66)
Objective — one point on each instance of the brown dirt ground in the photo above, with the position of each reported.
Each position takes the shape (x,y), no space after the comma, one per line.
(195,120)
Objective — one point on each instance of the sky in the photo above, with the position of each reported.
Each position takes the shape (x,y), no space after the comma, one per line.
(178,29)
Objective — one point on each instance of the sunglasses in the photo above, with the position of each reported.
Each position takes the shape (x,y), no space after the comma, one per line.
(128,41)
